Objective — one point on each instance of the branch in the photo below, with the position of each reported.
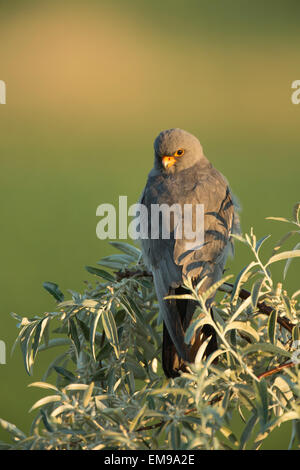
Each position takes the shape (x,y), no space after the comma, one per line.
(226,287)
(127,273)
(275,370)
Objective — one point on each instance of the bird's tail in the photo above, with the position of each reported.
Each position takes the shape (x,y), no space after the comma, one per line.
(172,362)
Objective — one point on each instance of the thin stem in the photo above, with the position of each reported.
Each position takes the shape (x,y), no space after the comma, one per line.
(276,369)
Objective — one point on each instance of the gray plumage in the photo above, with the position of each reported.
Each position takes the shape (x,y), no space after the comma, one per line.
(190,179)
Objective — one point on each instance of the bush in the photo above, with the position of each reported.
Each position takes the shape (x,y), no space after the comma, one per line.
(110,391)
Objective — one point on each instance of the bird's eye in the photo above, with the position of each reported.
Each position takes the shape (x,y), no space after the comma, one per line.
(179,153)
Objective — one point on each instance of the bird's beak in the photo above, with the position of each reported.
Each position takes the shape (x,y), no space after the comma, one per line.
(168,161)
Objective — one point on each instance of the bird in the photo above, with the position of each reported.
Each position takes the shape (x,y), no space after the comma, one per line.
(184,177)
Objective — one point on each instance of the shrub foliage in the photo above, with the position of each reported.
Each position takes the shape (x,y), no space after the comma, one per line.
(106,390)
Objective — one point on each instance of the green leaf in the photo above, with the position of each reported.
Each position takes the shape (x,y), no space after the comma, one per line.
(55,362)
(135,309)
(284,238)
(175,437)
(201,350)
(144,283)
(88,394)
(214,355)
(239,280)
(133,365)
(137,418)
(127,305)
(279,219)
(288,416)
(181,296)
(242,326)
(54,290)
(245,304)
(110,329)
(45,401)
(104,352)
(116,261)
(45,421)
(74,334)
(296,294)
(287,304)
(172,391)
(272,321)
(39,334)
(193,327)
(12,429)
(25,343)
(266,347)
(101,273)
(212,289)
(288,263)
(128,249)
(255,291)
(84,328)
(65,373)
(260,242)
(43,385)
(53,343)
(262,400)
(296,212)
(76,387)
(61,409)
(229,435)
(239,238)
(282,256)
(246,434)
(93,331)
(295,333)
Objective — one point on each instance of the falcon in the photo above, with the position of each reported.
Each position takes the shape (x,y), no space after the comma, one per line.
(183,177)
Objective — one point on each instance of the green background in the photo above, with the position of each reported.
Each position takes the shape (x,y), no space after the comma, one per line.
(89,86)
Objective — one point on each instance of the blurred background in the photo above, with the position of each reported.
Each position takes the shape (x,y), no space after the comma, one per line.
(89,86)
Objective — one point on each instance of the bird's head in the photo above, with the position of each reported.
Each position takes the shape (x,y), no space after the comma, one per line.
(176,150)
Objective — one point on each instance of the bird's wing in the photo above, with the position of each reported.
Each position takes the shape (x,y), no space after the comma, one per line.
(158,255)
(219,223)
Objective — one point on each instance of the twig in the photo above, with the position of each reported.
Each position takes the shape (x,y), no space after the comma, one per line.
(152,426)
(275,370)
(127,273)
